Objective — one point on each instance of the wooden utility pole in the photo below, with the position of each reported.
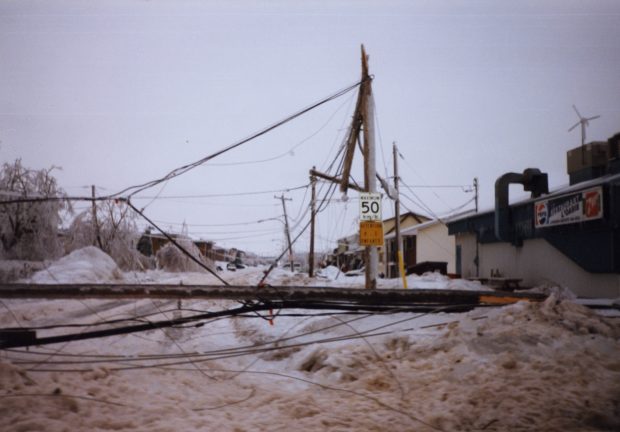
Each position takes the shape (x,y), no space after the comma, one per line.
(336,180)
(477,259)
(97,239)
(362,118)
(312,221)
(287,231)
(399,238)
(370,172)
(476,192)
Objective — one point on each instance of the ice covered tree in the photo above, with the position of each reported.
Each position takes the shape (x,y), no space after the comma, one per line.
(29,230)
(172,259)
(113,229)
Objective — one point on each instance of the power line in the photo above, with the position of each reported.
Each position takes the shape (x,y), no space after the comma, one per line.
(423,205)
(211,225)
(331,189)
(464,187)
(415,172)
(223,194)
(288,152)
(182,170)
(220,239)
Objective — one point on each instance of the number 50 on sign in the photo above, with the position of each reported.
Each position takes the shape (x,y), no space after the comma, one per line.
(370,206)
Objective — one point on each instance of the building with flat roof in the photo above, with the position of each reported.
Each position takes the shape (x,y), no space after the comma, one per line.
(569,237)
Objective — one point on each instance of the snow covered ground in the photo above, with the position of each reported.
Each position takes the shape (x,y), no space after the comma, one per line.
(552,366)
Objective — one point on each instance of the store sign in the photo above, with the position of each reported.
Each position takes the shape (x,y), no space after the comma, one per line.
(370,206)
(577,207)
(371,233)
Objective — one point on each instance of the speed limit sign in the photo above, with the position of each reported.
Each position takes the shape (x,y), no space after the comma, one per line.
(370,206)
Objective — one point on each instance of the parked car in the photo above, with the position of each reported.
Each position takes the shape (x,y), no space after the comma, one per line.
(231,267)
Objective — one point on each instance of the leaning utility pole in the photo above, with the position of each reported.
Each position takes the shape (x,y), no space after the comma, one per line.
(363,117)
(370,172)
(312,220)
(287,231)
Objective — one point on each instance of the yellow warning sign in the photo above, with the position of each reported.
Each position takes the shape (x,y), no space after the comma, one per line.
(371,233)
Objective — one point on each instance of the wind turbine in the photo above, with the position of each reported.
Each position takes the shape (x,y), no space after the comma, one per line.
(584,122)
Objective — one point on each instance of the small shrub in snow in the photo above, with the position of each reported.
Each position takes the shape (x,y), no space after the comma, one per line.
(29,230)
(12,270)
(171,258)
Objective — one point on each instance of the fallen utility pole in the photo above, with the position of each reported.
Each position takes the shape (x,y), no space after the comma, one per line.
(255,299)
(360,296)
(384,301)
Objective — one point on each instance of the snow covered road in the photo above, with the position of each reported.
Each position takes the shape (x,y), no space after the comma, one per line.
(552,366)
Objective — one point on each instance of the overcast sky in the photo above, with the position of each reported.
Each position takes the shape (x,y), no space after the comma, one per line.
(121,92)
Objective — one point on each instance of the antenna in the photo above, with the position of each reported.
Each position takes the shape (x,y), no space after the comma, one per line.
(584,122)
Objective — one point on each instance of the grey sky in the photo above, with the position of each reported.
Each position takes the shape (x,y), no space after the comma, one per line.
(120,92)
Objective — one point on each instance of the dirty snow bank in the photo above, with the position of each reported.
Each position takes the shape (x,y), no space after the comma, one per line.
(553,366)
(86,265)
(332,276)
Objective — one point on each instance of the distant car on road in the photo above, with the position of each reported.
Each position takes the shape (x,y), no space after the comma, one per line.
(231,267)
(296,266)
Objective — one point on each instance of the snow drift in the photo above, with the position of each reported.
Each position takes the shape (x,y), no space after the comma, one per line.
(86,265)
(552,366)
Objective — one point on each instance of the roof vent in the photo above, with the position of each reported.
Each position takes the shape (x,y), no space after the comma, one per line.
(534,181)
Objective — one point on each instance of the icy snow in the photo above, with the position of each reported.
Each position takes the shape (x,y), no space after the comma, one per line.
(552,366)
(86,265)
